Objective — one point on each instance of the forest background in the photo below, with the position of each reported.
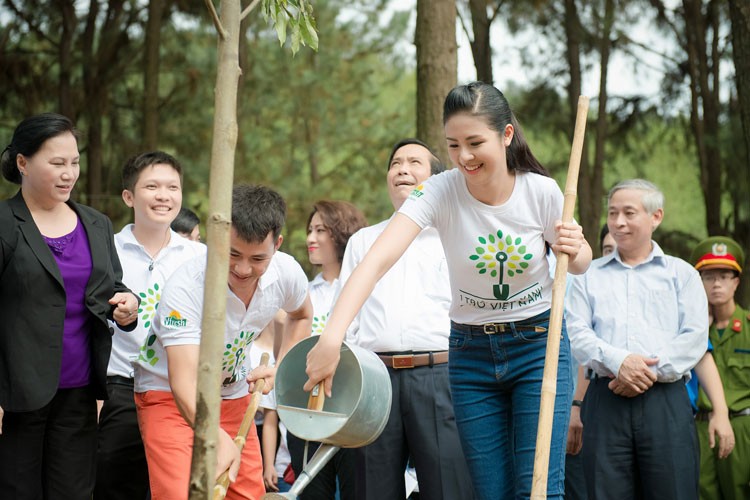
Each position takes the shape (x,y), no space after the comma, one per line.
(139,74)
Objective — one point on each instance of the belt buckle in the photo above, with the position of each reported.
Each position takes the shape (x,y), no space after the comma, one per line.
(492,328)
(400,361)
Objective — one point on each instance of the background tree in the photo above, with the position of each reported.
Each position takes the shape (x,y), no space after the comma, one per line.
(297,15)
(739,13)
(151,61)
(435,38)
(482,14)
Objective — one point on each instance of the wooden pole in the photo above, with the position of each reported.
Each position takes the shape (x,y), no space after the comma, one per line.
(549,380)
(208,398)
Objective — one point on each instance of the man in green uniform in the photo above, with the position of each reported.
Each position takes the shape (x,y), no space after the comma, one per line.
(719,261)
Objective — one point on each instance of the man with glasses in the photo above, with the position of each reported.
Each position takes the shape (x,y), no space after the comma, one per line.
(719,261)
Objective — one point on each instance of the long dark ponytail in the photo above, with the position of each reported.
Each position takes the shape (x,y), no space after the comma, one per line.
(482,99)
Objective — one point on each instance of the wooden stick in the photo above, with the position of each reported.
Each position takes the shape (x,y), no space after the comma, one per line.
(549,379)
(222,484)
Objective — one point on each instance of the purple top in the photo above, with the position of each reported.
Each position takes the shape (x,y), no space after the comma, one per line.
(73,258)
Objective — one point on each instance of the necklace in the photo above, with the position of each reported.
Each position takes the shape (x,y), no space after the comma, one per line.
(164,243)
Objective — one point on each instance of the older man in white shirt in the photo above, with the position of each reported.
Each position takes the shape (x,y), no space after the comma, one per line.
(405,321)
(638,322)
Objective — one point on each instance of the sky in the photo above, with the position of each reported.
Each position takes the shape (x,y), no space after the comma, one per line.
(627,75)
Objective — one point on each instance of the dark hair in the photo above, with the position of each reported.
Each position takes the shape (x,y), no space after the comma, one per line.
(602,234)
(257,211)
(436,166)
(342,219)
(483,100)
(29,137)
(132,169)
(185,221)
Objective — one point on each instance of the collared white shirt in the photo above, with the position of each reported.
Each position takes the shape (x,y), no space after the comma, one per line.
(322,294)
(408,309)
(178,321)
(657,308)
(145,277)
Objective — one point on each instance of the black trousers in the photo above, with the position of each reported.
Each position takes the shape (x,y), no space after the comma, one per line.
(575,482)
(421,425)
(121,468)
(50,453)
(644,447)
(323,485)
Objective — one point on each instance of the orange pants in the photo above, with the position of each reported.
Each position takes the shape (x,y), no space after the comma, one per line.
(168,441)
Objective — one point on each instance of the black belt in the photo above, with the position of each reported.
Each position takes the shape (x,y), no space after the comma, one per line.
(414,360)
(703,415)
(493,328)
(118,380)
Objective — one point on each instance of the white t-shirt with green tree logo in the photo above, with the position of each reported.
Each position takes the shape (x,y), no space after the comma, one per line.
(496,254)
(178,321)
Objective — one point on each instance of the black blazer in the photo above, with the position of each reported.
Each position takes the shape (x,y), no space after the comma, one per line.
(32,306)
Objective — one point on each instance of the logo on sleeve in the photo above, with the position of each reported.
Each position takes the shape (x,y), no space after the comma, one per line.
(417,193)
(175,320)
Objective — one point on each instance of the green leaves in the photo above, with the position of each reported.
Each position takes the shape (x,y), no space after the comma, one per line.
(294,15)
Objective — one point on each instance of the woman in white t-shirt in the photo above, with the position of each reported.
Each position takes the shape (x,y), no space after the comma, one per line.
(498,214)
(329,227)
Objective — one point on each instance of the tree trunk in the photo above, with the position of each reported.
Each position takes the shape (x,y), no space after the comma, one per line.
(480,45)
(208,400)
(739,12)
(435,38)
(596,187)
(589,201)
(93,111)
(703,69)
(65,57)
(150,138)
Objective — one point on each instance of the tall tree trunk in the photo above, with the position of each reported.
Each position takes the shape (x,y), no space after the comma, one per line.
(93,111)
(208,400)
(65,57)
(588,201)
(150,138)
(596,186)
(703,69)
(739,12)
(435,38)
(480,45)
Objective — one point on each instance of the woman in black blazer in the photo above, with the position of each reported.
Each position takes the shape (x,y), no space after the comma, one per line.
(60,282)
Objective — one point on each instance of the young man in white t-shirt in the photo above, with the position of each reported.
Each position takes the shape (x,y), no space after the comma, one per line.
(261,281)
(149,252)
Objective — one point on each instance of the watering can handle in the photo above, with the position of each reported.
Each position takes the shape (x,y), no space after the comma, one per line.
(317,398)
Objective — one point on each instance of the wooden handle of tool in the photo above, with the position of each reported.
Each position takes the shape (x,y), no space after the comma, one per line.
(317,398)
(549,379)
(222,484)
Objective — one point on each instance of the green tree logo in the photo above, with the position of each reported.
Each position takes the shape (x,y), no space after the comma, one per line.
(319,323)
(234,356)
(500,254)
(149,304)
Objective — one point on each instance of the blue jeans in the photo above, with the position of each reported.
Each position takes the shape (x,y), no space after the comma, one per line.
(496,382)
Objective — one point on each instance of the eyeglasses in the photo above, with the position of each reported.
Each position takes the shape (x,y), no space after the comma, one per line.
(721,277)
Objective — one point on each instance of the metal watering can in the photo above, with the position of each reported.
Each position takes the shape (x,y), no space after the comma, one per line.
(354,416)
